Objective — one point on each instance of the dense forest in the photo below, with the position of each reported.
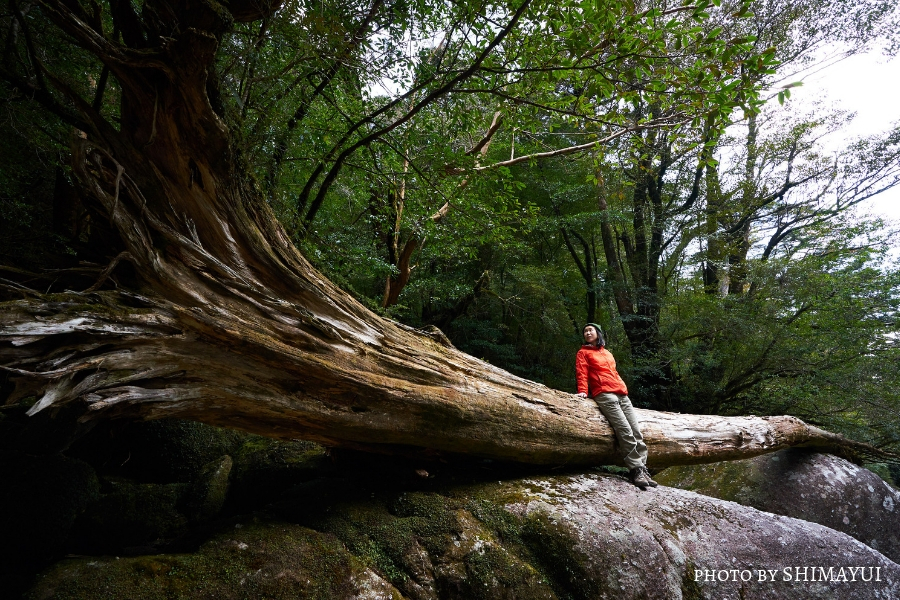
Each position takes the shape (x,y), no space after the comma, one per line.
(493,173)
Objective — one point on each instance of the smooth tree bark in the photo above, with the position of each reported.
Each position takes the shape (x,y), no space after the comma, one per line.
(231,326)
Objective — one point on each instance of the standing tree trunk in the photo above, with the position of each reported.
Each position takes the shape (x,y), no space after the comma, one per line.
(233,327)
(637,299)
(586,268)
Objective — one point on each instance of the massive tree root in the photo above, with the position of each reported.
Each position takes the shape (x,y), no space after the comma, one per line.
(230,325)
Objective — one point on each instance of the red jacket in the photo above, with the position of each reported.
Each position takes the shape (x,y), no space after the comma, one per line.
(595,371)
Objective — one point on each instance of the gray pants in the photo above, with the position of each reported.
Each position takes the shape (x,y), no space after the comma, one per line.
(620,414)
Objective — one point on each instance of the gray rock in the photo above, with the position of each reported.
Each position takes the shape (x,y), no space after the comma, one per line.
(669,543)
(821,488)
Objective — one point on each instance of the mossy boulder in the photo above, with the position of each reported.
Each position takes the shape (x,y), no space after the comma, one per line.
(131,518)
(206,495)
(565,537)
(431,545)
(255,560)
(821,488)
(161,451)
(265,468)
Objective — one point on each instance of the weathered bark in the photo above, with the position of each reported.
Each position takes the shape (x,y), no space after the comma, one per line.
(232,326)
(359,382)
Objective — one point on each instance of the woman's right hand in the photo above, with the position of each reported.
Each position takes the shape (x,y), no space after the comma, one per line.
(581,395)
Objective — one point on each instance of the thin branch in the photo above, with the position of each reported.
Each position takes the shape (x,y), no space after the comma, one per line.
(734,386)
(300,113)
(580,147)
(766,201)
(484,143)
(118,58)
(45,99)
(578,263)
(109,269)
(427,100)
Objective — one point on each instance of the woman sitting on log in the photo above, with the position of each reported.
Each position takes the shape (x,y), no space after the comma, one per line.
(595,370)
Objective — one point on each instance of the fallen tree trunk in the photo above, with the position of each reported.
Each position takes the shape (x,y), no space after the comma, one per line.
(232,326)
(387,389)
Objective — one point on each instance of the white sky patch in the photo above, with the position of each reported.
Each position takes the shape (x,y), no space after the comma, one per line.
(869,85)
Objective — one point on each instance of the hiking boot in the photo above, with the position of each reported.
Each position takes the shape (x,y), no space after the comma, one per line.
(649,479)
(638,478)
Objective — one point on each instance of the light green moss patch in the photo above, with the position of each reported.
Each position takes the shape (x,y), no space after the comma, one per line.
(730,480)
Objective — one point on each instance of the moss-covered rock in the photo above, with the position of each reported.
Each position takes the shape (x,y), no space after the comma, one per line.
(206,495)
(429,546)
(567,537)
(130,517)
(163,451)
(257,560)
(265,468)
(735,480)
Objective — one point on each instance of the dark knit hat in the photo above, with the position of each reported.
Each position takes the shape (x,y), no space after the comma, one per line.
(601,339)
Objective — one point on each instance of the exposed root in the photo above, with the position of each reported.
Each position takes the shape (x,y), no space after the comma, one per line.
(109,269)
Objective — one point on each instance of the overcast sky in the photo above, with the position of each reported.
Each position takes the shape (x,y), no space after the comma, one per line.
(869,85)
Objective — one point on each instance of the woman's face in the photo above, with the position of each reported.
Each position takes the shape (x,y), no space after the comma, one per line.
(590,335)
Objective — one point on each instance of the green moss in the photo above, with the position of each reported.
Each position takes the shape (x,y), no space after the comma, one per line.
(690,588)
(383,540)
(458,540)
(260,560)
(161,451)
(391,532)
(494,572)
(554,551)
(264,468)
(495,548)
(429,515)
(207,494)
(507,526)
(545,545)
(729,480)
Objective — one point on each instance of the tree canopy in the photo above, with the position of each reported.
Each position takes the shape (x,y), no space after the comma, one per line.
(500,171)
